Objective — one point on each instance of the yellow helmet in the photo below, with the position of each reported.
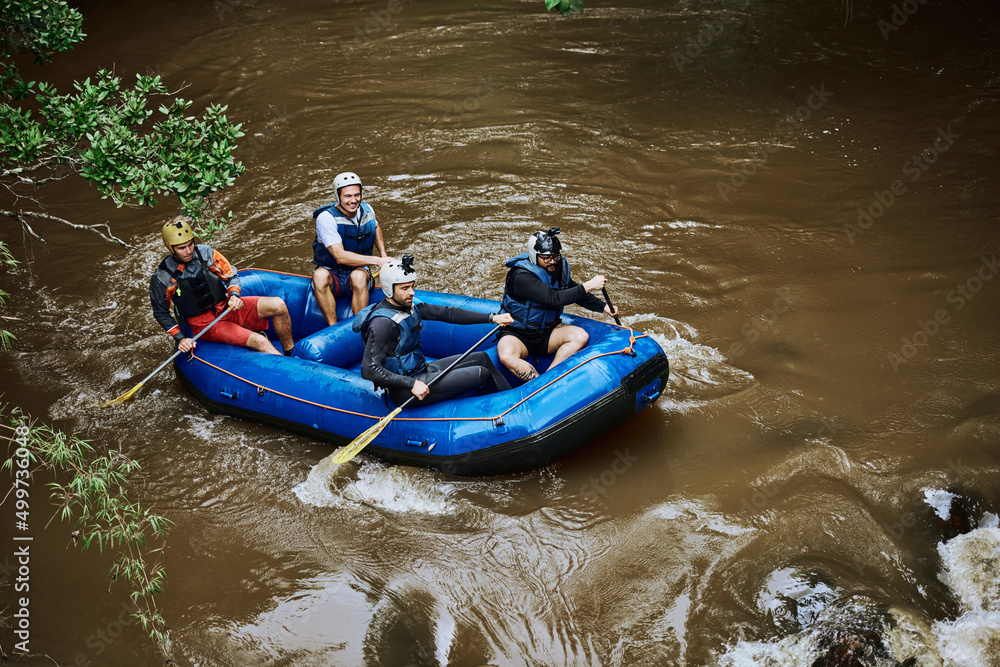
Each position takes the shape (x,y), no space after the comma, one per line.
(176,232)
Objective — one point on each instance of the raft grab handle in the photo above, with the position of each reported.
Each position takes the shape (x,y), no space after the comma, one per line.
(415,441)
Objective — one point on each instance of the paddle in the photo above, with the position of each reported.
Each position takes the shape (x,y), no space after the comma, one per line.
(604,290)
(360,442)
(128,394)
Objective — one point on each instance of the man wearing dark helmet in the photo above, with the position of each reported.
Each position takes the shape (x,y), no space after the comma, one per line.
(537,288)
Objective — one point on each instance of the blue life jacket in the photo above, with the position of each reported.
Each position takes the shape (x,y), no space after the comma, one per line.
(528,314)
(407,359)
(359,237)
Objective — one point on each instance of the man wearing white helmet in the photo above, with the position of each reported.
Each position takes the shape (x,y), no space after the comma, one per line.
(346,234)
(393,358)
(199,283)
(537,288)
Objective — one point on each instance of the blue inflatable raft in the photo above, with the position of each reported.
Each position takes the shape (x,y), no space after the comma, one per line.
(319,391)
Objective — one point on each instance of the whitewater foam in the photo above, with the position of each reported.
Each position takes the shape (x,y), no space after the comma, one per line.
(395,488)
(970,568)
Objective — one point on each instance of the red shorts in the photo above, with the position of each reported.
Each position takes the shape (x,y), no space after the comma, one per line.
(235,328)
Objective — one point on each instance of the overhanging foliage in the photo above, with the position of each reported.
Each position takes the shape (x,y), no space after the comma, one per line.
(103,132)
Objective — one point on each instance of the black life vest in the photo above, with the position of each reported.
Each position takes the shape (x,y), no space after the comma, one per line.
(199,293)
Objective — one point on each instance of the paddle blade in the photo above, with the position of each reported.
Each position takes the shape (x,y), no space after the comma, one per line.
(360,442)
(124,397)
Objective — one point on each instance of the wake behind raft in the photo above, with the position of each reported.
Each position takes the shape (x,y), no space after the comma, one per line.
(319,392)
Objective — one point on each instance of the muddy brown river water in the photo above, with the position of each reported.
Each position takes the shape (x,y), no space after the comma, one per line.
(802,211)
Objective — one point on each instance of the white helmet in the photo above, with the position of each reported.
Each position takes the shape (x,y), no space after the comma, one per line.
(395,272)
(544,243)
(344,179)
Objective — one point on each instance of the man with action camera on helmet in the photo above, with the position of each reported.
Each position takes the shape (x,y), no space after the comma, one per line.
(537,288)
(346,234)
(393,358)
(200,283)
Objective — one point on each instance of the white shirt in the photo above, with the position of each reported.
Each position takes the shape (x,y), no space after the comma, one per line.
(326,228)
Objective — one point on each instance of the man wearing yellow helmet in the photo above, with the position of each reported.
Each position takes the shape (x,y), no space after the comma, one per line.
(200,283)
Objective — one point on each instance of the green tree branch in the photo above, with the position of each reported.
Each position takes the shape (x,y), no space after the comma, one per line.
(93,499)
(103,132)
(6,260)
(565,7)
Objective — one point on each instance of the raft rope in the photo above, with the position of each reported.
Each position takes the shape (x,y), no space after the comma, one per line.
(261,388)
(632,337)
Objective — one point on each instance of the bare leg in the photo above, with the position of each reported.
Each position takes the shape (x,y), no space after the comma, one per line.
(322,282)
(566,340)
(275,308)
(513,353)
(260,343)
(359,290)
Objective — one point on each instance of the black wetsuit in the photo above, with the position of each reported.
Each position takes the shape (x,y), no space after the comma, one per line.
(475,372)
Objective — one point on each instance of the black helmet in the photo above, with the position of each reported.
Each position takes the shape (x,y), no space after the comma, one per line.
(543,243)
